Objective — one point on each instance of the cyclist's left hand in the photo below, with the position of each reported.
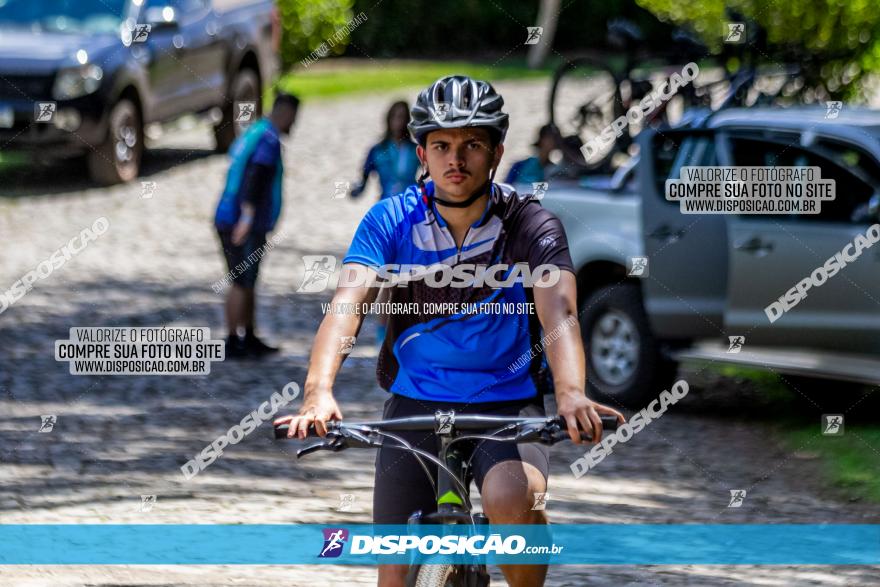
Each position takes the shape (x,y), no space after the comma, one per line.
(576,408)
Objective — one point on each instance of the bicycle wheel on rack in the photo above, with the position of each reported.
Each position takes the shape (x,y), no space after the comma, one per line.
(584,100)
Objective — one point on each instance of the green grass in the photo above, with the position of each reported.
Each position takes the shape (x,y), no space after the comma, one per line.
(851,461)
(13,160)
(320,81)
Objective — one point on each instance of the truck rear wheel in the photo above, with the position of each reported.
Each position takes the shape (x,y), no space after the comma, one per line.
(624,364)
(118,158)
(245,87)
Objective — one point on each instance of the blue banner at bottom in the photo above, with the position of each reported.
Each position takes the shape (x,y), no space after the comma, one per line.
(366,544)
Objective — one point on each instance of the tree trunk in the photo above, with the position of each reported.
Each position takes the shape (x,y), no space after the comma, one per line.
(548,16)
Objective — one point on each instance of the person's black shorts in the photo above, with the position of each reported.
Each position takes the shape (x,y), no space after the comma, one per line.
(243,260)
(401,485)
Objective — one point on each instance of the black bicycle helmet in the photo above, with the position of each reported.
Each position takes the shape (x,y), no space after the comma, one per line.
(457,101)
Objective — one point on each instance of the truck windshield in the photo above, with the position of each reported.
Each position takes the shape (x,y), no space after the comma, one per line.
(63,16)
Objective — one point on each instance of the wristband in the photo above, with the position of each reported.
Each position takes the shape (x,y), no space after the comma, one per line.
(246,218)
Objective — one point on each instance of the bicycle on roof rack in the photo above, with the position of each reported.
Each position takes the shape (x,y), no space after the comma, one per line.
(588,94)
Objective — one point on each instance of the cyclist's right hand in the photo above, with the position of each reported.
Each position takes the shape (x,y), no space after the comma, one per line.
(317,409)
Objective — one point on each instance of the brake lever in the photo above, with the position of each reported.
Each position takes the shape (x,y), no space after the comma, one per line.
(355,439)
(335,445)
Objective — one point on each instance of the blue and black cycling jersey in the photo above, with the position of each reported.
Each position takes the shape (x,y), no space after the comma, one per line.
(470,356)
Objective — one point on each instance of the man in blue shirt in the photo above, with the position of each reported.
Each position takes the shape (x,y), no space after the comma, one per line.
(247,211)
(534,168)
(453,352)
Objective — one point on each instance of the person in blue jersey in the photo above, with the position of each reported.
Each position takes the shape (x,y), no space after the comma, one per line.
(248,209)
(395,161)
(394,158)
(446,357)
(534,168)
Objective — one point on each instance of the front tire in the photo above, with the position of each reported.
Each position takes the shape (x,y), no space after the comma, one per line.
(624,364)
(435,576)
(118,158)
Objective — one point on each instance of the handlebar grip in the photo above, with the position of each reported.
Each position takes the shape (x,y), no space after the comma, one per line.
(609,424)
(281,431)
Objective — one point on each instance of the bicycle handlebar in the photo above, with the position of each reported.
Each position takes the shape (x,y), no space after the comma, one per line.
(547,429)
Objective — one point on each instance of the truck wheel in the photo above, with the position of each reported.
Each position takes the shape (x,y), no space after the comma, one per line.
(245,87)
(624,364)
(118,159)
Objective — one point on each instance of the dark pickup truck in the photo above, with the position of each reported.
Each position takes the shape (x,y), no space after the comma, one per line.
(84,77)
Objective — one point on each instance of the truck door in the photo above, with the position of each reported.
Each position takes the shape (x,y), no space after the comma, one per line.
(772,253)
(687,253)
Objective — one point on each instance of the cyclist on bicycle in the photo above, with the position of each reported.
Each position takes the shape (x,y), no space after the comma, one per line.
(472,362)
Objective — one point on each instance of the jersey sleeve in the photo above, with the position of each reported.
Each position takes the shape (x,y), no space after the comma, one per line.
(540,238)
(513,174)
(268,151)
(373,242)
(370,162)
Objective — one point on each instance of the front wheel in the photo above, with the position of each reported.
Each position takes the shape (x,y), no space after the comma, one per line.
(435,576)
(118,158)
(624,364)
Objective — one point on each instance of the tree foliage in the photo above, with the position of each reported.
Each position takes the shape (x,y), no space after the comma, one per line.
(837,41)
(306,24)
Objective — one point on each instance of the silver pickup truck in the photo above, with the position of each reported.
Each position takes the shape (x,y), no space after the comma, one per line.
(656,286)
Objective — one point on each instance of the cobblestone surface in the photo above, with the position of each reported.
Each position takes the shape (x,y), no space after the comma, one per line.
(121,437)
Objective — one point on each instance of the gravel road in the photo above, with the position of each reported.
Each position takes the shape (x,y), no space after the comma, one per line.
(121,437)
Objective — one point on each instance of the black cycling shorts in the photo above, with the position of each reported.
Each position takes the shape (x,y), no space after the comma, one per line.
(401,485)
(243,260)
